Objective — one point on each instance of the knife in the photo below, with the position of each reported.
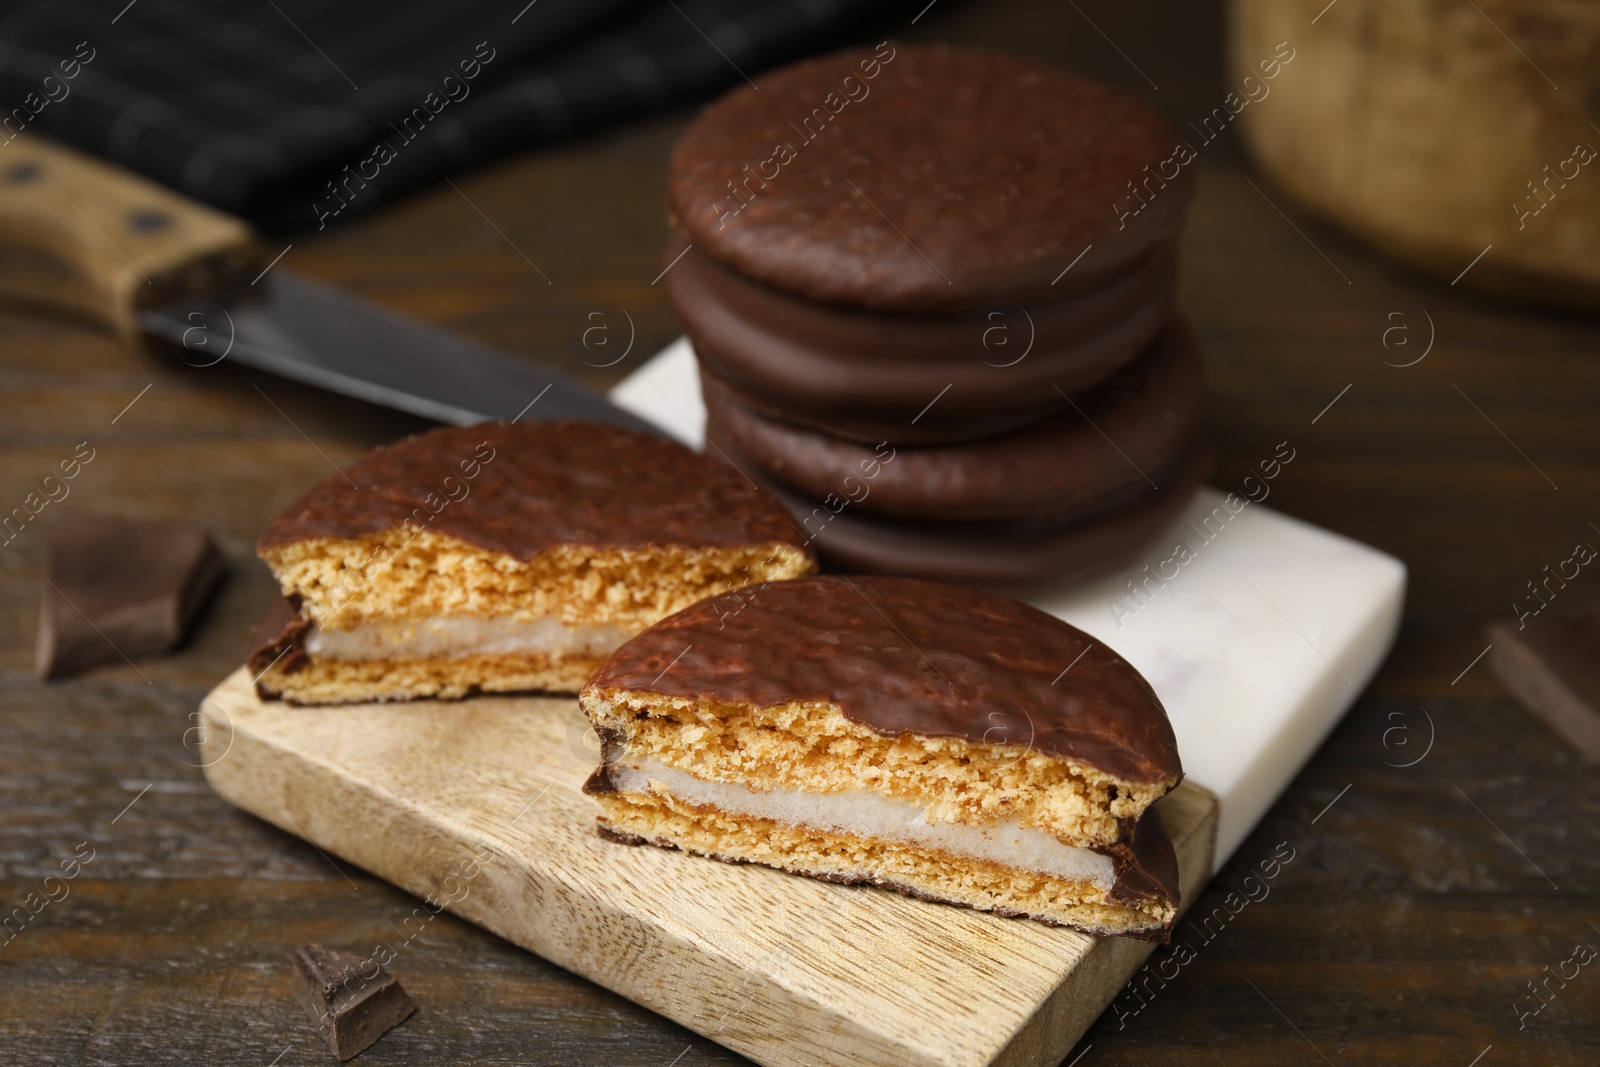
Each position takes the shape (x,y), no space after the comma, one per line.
(88,239)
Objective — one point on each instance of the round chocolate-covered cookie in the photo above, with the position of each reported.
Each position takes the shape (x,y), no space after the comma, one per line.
(995,553)
(914,178)
(1099,450)
(860,374)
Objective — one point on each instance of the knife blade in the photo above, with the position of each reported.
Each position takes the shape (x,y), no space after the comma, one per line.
(81,236)
(300,329)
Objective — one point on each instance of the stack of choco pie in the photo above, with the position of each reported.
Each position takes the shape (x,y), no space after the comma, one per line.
(931,294)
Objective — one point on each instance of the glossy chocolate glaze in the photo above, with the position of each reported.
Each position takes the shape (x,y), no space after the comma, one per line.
(953,177)
(1020,553)
(522,488)
(903,656)
(278,640)
(834,367)
(1146,863)
(1069,464)
(894,427)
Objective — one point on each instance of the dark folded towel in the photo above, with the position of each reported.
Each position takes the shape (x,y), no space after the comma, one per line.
(294,114)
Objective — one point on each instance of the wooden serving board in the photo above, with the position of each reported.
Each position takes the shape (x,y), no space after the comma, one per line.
(476,805)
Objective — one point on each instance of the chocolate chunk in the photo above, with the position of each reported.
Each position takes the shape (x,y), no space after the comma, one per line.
(117,587)
(1552,665)
(352,1001)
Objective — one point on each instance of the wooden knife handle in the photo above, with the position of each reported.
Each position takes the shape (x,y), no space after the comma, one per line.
(91,240)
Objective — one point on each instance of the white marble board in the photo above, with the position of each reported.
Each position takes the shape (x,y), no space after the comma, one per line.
(1257,644)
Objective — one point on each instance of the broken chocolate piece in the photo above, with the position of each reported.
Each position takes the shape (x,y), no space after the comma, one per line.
(352,1001)
(1551,664)
(117,587)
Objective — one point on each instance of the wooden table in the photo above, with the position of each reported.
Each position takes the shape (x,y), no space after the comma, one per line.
(1422,898)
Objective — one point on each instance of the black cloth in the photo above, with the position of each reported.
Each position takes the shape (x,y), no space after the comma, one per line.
(296,114)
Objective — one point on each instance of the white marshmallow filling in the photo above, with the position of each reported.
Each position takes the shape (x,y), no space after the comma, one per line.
(452,637)
(871,815)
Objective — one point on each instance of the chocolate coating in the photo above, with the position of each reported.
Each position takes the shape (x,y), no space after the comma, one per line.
(951,177)
(1027,554)
(278,640)
(1146,863)
(1068,465)
(837,368)
(903,656)
(533,486)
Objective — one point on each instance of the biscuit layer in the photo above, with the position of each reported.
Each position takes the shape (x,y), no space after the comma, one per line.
(343,583)
(312,681)
(812,746)
(861,813)
(930,873)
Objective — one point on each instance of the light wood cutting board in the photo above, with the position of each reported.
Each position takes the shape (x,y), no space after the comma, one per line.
(476,806)
(1256,649)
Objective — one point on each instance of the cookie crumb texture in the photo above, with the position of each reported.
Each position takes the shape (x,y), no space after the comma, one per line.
(345,583)
(801,788)
(813,747)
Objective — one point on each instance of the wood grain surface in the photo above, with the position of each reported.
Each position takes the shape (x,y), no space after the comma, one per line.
(1422,898)
(477,808)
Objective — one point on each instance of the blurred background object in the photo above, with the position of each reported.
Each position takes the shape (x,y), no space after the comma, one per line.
(294,115)
(1440,131)
(1551,671)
